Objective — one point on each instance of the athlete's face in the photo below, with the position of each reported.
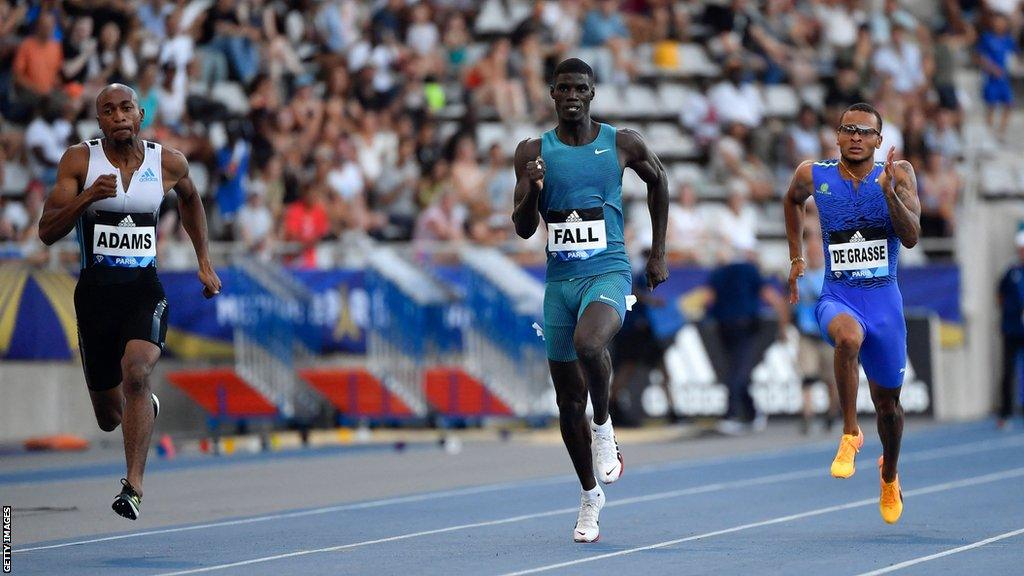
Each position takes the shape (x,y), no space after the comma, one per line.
(119,115)
(858,136)
(572,93)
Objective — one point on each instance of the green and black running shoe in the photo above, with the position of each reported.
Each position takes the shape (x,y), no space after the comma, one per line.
(128,502)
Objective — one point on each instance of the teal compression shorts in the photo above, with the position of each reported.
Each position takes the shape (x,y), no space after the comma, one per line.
(565,301)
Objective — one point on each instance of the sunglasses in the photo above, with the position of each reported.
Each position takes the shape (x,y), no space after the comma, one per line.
(862,131)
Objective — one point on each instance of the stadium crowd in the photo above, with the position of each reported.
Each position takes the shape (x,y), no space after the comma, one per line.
(306,120)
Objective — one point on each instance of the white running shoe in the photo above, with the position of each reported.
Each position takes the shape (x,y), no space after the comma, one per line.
(587,526)
(608,464)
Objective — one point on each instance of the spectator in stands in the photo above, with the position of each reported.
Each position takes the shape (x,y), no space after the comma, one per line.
(493,86)
(995,45)
(227,30)
(149,98)
(939,191)
(254,225)
(1011,304)
(915,125)
(395,194)
(500,183)
(456,42)
(306,223)
(335,20)
(942,135)
(376,149)
(735,99)
(903,61)
(844,91)
(171,95)
(954,36)
(443,220)
(687,230)
(15,220)
(37,64)
(734,160)
(603,26)
(804,137)
(424,39)
(79,49)
(233,166)
(736,289)
(46,138)
(115,59)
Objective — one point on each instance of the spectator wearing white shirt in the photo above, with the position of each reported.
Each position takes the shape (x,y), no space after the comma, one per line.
(46,139)
(254,224)
(736,100)
(687,229)
(903,61)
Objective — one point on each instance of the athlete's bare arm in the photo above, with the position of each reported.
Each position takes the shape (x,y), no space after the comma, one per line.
(648,167)
(64,205)
(800,189)
(193,217)
(900,186)
(529,169)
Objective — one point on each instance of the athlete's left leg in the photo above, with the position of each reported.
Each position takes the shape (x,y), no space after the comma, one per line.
(140,356)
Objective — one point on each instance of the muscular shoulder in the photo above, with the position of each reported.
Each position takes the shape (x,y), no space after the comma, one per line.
(174,163)
(805,172)
(527,150)
(630,141)
(76,157)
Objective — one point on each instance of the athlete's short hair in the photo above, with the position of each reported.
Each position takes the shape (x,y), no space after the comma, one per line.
(863,107)
(574,66)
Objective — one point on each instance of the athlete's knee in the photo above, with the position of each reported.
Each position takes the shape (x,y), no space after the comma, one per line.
(848,340)
(588,348)
(108,421)
(135,375)
(571,403)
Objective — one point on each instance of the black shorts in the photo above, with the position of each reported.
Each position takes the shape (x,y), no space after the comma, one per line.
(109,315)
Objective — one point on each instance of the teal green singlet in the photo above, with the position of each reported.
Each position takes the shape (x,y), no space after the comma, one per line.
(582,205)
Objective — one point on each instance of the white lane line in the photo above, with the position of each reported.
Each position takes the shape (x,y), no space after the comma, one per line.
(626,501)
(987,478)
(943,554)
(956,449)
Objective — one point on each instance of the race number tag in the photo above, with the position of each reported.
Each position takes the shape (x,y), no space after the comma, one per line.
(859,253)
(130,243)
(576,234)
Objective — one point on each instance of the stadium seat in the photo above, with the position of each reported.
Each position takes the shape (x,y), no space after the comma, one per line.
(694,61)
(780,101)
(355,392)
(642,102)
(673,96)
(608,101)
(231,95)
(454,393)
(200,177)
(813,95)
(999,178)
(16,179)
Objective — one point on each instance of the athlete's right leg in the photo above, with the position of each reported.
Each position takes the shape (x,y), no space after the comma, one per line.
(571,396)
(846,333)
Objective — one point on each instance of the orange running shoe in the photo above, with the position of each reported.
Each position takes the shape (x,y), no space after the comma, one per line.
(890,503)
(843,465)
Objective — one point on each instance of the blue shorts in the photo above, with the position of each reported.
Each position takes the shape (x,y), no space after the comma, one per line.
(879,310)
(997,90)
(565,301)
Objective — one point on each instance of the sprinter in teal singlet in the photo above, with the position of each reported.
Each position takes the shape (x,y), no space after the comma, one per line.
(572,178)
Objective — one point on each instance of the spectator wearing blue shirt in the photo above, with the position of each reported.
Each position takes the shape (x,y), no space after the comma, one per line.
(995,45)
(815,358)
(736,291)
(603,27)
(1011,304)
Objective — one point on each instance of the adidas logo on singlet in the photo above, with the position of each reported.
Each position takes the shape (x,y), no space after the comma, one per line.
(127,222)
(574,217)
(148,176)
(857,237)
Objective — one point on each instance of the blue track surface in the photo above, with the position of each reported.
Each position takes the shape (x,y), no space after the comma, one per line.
(777,513)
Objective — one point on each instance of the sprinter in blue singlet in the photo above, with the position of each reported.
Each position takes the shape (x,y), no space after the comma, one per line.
(572,178)
(867,209)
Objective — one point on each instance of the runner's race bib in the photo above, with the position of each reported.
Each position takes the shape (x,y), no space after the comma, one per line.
(124,240)
(859,254)
(576,234)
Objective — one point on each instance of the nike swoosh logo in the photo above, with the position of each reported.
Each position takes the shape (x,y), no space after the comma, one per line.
(609,473)
(581,533)
(603,297)
(596,152)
